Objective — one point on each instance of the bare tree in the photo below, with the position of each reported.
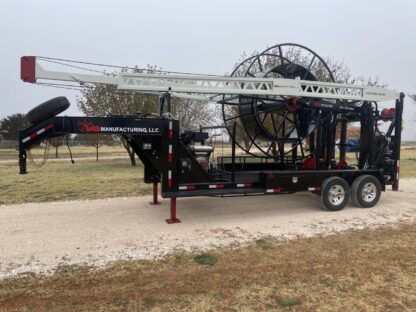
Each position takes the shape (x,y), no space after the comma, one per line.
(97,140)
(57,142)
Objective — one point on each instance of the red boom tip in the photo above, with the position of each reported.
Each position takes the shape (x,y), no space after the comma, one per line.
(28,69)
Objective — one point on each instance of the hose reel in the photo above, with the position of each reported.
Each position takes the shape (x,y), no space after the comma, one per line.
(267,123)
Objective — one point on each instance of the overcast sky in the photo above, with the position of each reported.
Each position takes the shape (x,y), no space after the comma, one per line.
(374,38)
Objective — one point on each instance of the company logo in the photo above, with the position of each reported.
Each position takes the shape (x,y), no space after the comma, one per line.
(84,125)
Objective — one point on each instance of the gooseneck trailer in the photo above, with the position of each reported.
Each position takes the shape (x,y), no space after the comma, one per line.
(289,122)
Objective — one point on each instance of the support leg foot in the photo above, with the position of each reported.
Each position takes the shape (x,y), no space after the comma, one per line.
(170,221)
(173,218)
(154,202)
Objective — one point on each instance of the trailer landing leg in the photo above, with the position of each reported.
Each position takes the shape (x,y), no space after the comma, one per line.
(173,218)
(154,202)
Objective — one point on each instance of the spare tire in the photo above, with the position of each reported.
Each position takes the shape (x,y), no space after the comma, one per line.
(47,109)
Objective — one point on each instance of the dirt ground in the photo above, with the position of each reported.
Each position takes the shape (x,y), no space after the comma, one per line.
(40,237)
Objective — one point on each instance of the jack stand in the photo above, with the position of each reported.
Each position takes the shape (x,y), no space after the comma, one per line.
(155,202)
(173,218)
(395,186)
(22,161)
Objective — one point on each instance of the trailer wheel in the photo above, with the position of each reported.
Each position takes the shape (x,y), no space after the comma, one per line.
(335,194)
(47,109)
(365,191)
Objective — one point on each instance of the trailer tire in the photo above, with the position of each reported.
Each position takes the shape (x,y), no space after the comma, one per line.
(47,109)
(335,194)
(365,191)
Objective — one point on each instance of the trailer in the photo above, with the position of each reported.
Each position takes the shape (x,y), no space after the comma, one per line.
(294,116)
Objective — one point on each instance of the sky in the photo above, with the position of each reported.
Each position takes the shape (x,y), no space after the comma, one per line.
(373,38)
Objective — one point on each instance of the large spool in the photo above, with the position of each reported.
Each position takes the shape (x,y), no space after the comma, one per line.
(265,124)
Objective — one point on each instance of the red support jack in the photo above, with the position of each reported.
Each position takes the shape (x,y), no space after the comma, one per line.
(173,218)
(154,202)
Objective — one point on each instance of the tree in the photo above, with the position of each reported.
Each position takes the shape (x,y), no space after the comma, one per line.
(10,126)
(102,100)
(57,142)
(97,141)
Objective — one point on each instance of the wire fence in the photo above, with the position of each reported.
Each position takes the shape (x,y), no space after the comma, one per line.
(8,144)
(14,144)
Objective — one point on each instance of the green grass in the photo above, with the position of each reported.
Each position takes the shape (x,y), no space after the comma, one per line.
(77,151)
(65,181)
(205,259)
(366,270)
(288,302)
(87,179)
(408,168)
(263,244)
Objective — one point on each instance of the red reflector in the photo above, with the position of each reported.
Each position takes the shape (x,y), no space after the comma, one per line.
(275,190)
(187,187)
(216,186)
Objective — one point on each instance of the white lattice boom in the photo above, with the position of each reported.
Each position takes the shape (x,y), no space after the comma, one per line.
(210,87)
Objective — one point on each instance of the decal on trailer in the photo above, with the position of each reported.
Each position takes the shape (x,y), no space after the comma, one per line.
(85,125)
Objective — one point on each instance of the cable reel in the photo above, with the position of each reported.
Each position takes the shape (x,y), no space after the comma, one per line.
(266,123)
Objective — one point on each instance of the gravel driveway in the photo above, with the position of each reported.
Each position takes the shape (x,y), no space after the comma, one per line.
(40,237)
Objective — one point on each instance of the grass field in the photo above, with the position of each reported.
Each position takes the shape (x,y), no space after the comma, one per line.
(88,179)
(66,181)
(366,270)
(77,151)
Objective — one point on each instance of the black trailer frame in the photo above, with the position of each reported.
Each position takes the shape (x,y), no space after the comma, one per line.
(169,159)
